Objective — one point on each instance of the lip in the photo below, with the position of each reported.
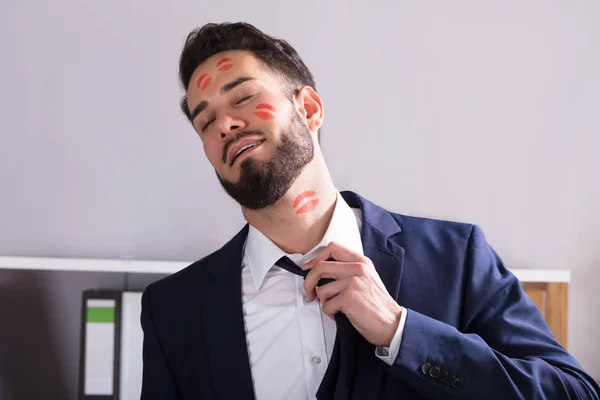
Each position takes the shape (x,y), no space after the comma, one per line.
(246,154)
(236,147)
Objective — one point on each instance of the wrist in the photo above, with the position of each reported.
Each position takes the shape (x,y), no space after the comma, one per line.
(393,326)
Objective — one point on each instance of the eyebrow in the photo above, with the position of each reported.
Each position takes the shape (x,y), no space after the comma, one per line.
(226,88)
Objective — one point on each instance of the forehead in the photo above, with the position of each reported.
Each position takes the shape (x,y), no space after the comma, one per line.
(223,68)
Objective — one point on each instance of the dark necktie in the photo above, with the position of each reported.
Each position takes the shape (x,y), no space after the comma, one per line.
(342,359)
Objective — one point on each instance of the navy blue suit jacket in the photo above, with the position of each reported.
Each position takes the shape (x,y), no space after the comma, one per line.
(471,332)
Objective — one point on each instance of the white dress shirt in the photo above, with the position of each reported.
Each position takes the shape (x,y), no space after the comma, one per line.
(290,341)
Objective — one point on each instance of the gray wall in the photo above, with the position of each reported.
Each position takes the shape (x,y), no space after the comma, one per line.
(478,111)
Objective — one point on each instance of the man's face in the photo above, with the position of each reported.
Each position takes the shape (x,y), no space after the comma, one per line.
(250,130)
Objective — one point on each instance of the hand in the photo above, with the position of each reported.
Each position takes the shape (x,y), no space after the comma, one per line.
(357,291)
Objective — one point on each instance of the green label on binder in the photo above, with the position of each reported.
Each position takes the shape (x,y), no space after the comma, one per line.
(101,314)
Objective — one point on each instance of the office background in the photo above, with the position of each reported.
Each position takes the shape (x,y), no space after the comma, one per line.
(476,111)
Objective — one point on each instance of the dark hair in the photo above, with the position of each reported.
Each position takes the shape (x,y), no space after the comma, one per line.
(275,54)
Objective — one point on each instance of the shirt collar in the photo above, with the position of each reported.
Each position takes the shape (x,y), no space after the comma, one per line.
(260,253)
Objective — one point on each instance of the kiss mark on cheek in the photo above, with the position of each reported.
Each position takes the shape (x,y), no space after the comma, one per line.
(306,201)
(224,64)
(266,115)
(204,81)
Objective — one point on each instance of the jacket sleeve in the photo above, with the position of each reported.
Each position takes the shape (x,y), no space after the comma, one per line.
(157,379)
(503,349)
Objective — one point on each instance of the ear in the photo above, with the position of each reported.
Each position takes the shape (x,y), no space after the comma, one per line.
(310,107)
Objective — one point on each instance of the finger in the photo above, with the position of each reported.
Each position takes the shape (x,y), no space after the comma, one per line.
(312,280)
(329,269)
(334,305)
(332,289)
(335,251)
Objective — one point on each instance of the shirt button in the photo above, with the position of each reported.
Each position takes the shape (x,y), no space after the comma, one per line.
(315,360)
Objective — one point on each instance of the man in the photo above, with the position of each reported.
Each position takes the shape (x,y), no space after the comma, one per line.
(410,308)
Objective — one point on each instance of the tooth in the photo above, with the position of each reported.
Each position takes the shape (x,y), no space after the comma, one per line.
(246,147)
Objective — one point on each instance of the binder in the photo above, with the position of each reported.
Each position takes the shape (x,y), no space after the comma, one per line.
(111,346)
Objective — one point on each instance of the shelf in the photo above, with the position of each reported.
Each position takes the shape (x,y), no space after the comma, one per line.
(169,267)
(92,264)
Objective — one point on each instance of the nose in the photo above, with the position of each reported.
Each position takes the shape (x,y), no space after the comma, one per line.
(229,125)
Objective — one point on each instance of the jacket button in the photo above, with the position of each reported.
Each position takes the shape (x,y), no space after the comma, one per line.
(435,372)
(425,368)
(444,376)
(457,382)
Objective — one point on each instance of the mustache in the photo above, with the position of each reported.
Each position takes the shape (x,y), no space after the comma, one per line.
(239,136)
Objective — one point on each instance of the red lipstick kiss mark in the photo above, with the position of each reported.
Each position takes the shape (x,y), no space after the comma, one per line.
(307,201)
(224,64)
(264,114)
(204,81)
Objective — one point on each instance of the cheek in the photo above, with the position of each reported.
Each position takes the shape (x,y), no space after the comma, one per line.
(213,152)
(265,111)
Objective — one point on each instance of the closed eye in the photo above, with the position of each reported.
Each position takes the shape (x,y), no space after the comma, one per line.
(243,99)
(208,123)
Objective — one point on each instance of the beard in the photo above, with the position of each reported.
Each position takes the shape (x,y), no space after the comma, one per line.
(262,183)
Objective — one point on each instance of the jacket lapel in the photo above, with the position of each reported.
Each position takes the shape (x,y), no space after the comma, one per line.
(223,323)
(378,226)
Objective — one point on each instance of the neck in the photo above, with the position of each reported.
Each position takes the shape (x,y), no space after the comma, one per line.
(288,223)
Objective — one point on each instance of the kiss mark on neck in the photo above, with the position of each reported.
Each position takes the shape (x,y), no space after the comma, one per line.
(306,201)
(203,81)
(224,64)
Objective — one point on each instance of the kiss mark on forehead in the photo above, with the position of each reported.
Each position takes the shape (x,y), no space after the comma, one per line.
(203,81)
(224,64)
(306,201)
(266,115)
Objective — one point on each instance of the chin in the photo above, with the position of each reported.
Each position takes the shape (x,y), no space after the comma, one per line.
(251,160)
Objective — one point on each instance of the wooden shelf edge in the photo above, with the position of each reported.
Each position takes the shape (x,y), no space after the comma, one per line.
(542,275)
